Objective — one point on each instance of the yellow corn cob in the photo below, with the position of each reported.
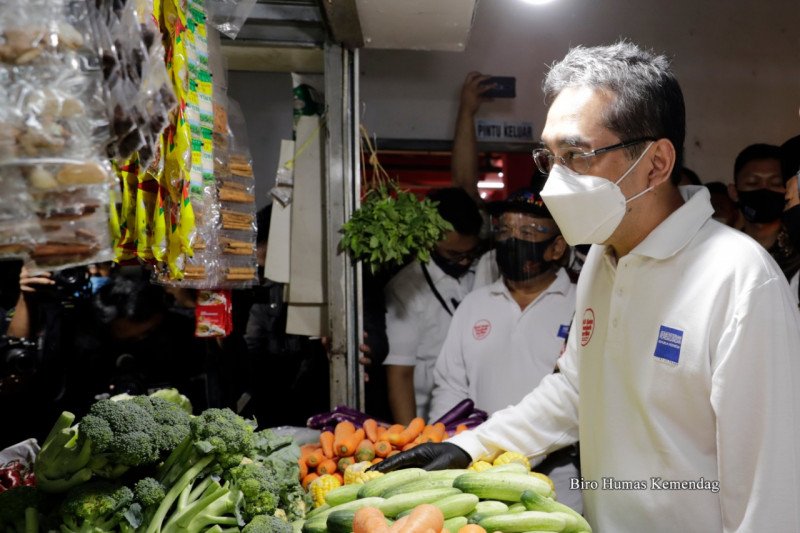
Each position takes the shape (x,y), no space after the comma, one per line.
(322,486)
(512,457)
(480,466)
(357,473)
(544,478)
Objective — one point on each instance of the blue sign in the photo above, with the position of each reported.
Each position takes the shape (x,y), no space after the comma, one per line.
(563,331)
(668,346)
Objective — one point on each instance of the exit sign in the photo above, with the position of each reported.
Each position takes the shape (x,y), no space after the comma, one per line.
(505,131)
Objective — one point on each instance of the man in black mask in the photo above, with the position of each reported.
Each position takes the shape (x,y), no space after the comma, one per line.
(420,301)
(507,336)
(758,188)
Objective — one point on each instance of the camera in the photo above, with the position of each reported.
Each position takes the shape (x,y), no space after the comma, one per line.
(19,361)
(70,286)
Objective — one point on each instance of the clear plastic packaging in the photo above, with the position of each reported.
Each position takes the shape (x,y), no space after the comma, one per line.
(228,16)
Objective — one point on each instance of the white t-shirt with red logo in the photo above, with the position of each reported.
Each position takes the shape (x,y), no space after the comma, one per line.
(495,353)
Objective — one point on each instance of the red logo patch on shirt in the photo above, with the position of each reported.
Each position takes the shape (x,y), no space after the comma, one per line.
(481,329)
(587,326)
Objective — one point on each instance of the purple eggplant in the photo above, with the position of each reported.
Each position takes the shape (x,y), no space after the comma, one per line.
(460,411)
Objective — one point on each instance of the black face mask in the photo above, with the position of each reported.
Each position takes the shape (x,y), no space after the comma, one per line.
(514,257)
(453,269)
(791,221)
(761,205)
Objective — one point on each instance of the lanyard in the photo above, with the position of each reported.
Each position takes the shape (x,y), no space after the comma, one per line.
(436,292)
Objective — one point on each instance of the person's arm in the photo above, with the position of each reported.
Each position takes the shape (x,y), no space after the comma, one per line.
(20,325)
(543,421)
(464,161)
(755,372)
(400,384)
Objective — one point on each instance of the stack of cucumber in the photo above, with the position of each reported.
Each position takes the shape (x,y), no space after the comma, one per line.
(503,498)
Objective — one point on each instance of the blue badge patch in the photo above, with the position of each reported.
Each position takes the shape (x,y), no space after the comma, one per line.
(669,342)
(563,331)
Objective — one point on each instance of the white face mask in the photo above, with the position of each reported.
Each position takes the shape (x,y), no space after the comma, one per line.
(586,208)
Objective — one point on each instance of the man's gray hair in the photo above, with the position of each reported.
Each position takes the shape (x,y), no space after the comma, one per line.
(648,101)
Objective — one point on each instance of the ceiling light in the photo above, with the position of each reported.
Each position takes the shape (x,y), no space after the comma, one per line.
(537,2)
(483,184)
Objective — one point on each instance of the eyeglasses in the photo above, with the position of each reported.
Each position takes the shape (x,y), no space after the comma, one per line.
(527,232)
(577,161)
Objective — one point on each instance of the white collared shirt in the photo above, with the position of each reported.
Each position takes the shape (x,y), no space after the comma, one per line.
(416,323)
(684,363)
(496,353)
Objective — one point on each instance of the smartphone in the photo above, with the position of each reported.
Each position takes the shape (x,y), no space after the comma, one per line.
(504,87)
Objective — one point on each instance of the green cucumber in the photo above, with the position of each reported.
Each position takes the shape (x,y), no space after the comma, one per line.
(340,521)
(379,485)
(517,508)
(500,486)
(395,505)
(314,512)
(524,521)
(491,507)
(454,524)
(318,523)
(449,474)
(514,468)
(422,484)
(456,505)
(534,501)
(343,494)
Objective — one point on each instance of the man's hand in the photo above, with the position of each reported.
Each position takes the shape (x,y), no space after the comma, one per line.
(430,456)
(28,282)
(365,358)
(472,92)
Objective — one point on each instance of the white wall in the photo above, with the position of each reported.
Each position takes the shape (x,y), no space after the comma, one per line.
(738,63)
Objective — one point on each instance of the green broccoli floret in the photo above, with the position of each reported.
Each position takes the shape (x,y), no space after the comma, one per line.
(260,487)
(172,395)
(219,440)
(172,420)
(295,502)
(149,492)
(19,510)
(96,507)
(267,524)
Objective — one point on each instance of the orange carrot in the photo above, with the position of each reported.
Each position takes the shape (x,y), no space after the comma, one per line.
(472,528)
(397,526)
(326,440)
(303,468)
(393,452)
(396,428)
(343,430)
(338,476)
(348,445)
(369,520)
(344,462)
(409,446)
(308,479)
(411,432)
(328,466)
(306,450)
(460,428)
(315,458)
(423,518)
(383,448)
(439,433)
(371,429)
(365,451)
(377,460)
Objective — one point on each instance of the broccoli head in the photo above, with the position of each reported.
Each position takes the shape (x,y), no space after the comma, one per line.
(19,510)
(95,506)
(148,492)
(172,420)
(223,432)
(295,502)
(260,487)
(267,524)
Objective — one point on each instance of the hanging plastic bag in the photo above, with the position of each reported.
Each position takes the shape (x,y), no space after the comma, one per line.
(228,16)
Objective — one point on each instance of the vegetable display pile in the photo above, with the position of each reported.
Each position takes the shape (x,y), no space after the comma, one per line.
(143,464)
(506,497)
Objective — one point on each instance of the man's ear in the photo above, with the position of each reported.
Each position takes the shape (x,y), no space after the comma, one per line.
(556,250)
(663,157)
(732,192)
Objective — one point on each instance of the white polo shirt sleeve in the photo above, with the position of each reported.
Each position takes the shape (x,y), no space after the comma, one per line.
(450,384)
(544,421)
(759,467)
(402,329)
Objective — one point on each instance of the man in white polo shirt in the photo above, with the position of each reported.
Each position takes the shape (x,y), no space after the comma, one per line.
(420,302)
(509,335)
(681,370)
